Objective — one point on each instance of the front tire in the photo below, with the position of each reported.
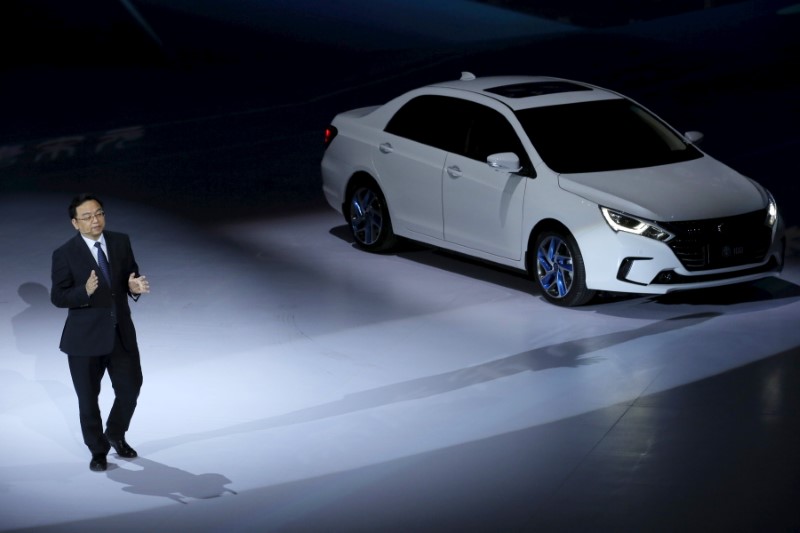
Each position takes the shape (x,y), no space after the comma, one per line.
(369,218)
(560,272)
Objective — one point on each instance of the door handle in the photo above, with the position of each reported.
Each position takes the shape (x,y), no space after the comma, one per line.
(454,172)
(386,148)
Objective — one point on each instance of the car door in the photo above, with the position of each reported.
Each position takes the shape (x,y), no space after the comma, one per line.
(410,158)
(483,205)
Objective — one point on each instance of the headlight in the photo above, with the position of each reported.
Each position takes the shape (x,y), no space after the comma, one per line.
(772,210)
(622,222)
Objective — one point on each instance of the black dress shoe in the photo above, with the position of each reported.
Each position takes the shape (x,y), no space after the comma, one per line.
(98,462)
(122,448)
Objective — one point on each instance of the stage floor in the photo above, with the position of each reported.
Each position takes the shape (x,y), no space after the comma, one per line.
(295,383)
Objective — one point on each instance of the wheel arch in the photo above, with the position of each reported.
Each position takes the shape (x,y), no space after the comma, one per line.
(543,225)
(385,238)
(577,293)
(359,177)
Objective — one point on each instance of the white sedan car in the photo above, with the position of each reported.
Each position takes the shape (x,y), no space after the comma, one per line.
(580,186)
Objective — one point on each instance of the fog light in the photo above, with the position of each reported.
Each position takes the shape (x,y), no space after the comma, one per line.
(664,277)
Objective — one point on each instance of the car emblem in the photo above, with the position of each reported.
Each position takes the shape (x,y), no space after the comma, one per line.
(720,228)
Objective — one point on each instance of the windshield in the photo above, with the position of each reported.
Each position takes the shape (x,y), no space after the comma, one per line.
(601,136)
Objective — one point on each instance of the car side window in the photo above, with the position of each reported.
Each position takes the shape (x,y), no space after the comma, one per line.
(458,126)
(433,120)
(490,133)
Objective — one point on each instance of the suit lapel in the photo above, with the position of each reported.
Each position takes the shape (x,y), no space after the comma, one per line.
(83,252)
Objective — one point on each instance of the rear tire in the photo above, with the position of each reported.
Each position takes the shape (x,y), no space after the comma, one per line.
(559,269)
(369,219)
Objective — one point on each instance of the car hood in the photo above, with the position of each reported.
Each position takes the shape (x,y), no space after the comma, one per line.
(698,189)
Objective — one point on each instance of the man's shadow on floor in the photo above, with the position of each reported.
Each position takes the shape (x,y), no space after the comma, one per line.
(151,478)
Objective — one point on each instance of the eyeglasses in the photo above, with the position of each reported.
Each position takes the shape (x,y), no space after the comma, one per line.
(86,218)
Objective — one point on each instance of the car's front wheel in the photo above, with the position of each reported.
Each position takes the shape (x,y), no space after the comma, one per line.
(559,271)
(369,218)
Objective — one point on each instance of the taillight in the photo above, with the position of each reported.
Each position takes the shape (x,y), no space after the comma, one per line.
(330,133)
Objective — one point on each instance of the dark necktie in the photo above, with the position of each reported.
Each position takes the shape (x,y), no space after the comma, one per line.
(102,260)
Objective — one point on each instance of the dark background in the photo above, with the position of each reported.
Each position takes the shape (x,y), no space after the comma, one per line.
(228,99)
(231,98)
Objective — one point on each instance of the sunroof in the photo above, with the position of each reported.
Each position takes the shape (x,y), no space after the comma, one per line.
(537,88)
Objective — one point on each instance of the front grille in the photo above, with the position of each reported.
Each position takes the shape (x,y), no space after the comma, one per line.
(720,242)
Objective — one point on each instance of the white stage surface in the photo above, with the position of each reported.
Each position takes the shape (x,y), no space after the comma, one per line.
(295,383)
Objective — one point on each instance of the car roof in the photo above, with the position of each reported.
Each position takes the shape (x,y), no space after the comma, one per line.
(522,92)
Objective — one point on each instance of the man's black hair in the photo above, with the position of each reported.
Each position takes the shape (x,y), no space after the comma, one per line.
(78,200)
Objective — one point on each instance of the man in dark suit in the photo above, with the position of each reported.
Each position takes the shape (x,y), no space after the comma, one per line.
(93,275)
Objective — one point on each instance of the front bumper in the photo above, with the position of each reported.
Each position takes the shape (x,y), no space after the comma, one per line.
(620,262)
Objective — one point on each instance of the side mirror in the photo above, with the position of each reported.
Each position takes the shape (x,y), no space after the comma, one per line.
(504,162)
(694,137)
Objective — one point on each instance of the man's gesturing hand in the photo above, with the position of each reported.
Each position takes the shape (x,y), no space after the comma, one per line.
(138,285)
(91,283)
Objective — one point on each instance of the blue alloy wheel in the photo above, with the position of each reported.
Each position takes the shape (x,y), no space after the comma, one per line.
(554,267)
(560,270)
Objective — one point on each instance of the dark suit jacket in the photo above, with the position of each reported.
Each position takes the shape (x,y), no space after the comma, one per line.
(90,327)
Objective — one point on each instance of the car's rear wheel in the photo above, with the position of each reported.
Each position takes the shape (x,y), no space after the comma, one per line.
(560,271)
(369,218)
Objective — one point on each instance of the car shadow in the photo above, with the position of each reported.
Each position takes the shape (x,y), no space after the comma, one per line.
(452,262)
(765,289)
(770,289)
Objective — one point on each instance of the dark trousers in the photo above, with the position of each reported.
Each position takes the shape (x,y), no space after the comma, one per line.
(87,373)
